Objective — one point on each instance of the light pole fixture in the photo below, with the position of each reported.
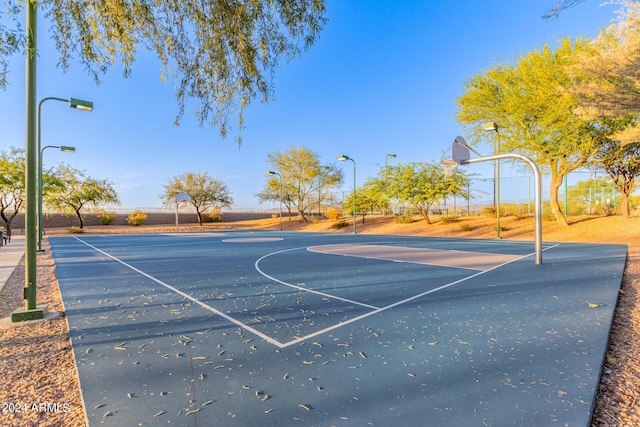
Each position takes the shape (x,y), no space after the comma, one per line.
(386,170)
(64,149)
(279,195)
(342,158)
(78,104)
(493,127)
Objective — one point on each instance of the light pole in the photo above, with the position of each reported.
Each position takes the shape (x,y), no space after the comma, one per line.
(342,158)
(279,194)
(320,182)
(386,169)
(489,127)
(64,149)
(75,103)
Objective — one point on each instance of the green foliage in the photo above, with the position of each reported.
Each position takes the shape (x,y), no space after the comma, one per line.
(206,193)
(75,191)
(423,184)
(106,218)
(12,187)
(333,214)
(223,54)
(305,182)
(534,105)
(370,197)
(339,225)
(76,230)
(136,218)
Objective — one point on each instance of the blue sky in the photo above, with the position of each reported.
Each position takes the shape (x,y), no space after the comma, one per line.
(382,78)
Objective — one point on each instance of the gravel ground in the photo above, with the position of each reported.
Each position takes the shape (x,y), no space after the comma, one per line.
(40,386)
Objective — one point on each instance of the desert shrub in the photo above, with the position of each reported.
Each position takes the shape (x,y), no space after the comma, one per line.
(214,215)
(606,210)
(106,218)
(137,218)
(275,215)
(465,227)
(76,230)
(314,219)
(333,214)
(449,219)
(339,225)
(403,219)
(489,211)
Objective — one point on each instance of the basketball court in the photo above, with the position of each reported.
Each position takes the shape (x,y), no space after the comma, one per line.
(276,328)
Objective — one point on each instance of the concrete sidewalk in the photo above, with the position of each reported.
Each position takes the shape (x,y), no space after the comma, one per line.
(10,256)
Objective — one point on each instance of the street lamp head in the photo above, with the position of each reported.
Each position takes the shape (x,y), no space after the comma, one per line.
(343,157)
(67,149)
(490,126)
(80,104)
(391,156)
(272,173)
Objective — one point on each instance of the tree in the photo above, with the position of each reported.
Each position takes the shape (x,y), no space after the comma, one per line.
(370,197)
(77,191)
(622,163)
(205,192)
(532,103)
(305,183)
(12,188)
(272,191)
(423,184)
(222,53)
(609,74)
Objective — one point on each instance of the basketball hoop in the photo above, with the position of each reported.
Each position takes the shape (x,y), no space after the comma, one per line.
(448,166)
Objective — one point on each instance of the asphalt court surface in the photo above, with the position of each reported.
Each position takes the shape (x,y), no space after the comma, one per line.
(276,328)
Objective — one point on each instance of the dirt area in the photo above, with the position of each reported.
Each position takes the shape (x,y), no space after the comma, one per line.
(37,366)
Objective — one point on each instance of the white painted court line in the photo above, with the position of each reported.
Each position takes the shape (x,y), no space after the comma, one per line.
(189,297)
(277,343)
(404,301)
(427,256)
(300,287)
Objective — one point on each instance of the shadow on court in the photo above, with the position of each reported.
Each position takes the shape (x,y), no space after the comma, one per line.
(252,328)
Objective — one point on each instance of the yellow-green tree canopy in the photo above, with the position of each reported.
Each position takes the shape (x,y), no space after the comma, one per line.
(305,182)
(205,192)
(222,53)
(76,191)
(533,102)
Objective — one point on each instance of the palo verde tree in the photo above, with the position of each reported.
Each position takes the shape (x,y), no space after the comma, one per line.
(535,110)
(622,164)
(305,182)
(11,185)
(370,197)
(76,191)
(221,53)
(423,184)
(609,74)
(205,192)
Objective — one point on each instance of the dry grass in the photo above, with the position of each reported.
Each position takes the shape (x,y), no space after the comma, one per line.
(37,365)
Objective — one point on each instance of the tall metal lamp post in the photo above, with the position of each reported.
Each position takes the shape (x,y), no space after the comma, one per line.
(279,194)
(342,158)
(78,104)
(64,149)
(489,127)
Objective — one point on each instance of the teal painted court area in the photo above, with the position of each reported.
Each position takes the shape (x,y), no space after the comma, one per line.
(273,329)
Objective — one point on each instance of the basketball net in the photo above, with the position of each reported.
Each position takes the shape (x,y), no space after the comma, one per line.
(448,166)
